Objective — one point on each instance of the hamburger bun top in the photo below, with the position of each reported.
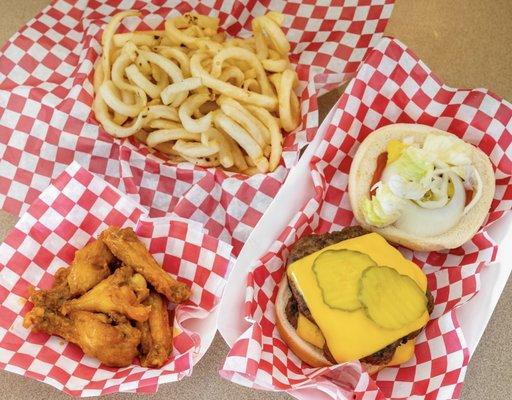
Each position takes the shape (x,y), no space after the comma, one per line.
(361,175)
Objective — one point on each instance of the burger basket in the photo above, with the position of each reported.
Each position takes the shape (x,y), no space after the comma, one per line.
(392,85)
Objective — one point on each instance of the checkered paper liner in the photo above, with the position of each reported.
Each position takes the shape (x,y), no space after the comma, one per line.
(391,86)
(73,210)
(46,94)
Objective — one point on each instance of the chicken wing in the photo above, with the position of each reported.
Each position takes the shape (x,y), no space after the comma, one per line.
(89,267)
(125,245)
(49,321)
(156,340)
(120,293)
(56,296)
(114,345)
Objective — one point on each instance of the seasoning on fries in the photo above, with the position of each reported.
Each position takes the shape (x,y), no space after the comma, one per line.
(194,95)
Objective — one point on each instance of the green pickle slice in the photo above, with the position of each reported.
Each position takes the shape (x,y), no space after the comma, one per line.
(338,273)
(391,300)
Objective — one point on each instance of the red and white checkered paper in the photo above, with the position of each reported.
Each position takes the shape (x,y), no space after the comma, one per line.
(391,86)
(46,94)
(72,211)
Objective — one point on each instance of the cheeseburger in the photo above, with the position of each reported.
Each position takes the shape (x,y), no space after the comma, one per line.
(348,296)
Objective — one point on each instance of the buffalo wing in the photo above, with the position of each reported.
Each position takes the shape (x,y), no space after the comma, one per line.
(111,301)
(89,267)
(56,296)
(156,340)
(113,343)
(127,247)
(116,294)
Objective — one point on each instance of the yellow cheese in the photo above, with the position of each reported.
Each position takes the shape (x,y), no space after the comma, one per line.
(403,353)
(394,149)
(351,335)
(308,331)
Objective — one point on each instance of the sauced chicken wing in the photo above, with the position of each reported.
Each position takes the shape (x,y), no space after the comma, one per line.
(156,341)
(139,286)
(49,321)
(113,316)
(89,267)
(126,246)
(114,345)
(56,296)
(120,293)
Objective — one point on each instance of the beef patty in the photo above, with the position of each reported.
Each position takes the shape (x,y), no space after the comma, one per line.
(312,243)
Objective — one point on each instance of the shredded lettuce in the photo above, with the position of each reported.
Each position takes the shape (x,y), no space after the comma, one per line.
(419,176)
(469,174)
(447,149)
(405,189)
(414,165)
(383,209)
(438,195)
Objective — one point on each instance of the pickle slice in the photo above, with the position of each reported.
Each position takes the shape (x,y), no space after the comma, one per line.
(391,300)
(338,273)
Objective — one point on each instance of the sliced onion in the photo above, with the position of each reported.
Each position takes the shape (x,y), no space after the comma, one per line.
(472,181)
(426,222)
(401,187)
(439,191)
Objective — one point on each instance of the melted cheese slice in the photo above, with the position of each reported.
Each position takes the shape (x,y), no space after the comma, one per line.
(309,332)
(403,353)
(351,335)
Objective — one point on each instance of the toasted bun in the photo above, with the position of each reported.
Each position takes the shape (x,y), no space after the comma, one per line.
(308,353)
(363,168)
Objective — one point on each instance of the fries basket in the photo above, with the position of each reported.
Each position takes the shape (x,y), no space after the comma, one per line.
(73,210)
(392,85)
(46,94)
